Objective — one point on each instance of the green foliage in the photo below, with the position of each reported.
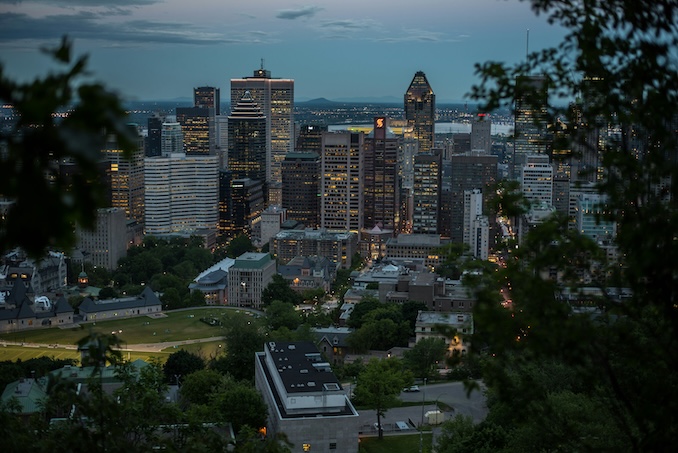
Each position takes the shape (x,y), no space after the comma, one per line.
(241,405)
(361,309)
(39,141)
(107,293)
(279,289)
(423,358)
(182,363)
(197,388)
(282,314)
(243,339)
(616,373)
(239,245)
(379,385)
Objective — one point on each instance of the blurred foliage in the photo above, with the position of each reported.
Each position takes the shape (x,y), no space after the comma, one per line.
(47,204)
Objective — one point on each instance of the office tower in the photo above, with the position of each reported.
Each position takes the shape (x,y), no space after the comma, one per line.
(461,143)
(271,219)
(381,182)
(309,139)
(473,207)
(172,140)
(531,117)
(481,133)
(125,177)
(244,206)
(275,97)
(590,210)
(535,175)
(247,140)
(468,171)
(181,194)
(207,98)
(248,277)
(107,243)
(426,193)
(154,141)
(420,109)
(301,187)
(224,222)
(197,125)
(341,181)
(222,140)
(476,225)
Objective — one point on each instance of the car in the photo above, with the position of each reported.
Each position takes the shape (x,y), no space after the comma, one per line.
(413,388)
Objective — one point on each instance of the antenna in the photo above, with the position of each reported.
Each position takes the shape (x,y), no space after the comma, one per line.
(527,45)
(262,64)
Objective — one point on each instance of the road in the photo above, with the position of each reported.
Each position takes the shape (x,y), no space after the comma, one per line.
(454,395)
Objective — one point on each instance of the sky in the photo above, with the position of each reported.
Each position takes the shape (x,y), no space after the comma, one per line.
(336,49)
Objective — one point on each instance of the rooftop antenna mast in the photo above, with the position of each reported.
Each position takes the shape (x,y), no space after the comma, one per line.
(262,64)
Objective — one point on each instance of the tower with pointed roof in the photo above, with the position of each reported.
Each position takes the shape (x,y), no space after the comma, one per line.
(247,140)
(420,108)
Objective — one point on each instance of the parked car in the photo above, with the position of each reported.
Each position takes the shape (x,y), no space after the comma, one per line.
(414,388)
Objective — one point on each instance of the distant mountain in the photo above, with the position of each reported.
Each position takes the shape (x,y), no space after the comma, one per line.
(317,101)
(372,100)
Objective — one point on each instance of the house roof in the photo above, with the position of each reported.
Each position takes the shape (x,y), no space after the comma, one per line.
(146,299)
(28,392)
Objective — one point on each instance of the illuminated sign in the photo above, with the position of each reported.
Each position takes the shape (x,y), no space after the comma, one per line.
(380,123)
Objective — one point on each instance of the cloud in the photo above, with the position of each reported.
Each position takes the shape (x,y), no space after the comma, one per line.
(304,11)
(87,25)
(419,35)
(67,3)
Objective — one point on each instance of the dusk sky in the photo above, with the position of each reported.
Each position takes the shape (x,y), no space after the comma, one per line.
(161,49)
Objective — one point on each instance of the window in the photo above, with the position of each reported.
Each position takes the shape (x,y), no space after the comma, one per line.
(306,447)
(333,445)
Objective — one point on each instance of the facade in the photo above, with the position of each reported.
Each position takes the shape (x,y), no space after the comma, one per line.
(144,304)
(21,310)
(535,174)
(304,398)
(415,246)
(426,326)
(107,243)
(420,109)
(181,194)
(247,140)
(275,97)
(153,142)
(172,140)
(301,187)
(207,98)
(481,133)
(341,181)
(308,273)
(590,209)
(213,283)
(199,130)
(531,116)
(271,219)
(126,178)
(244,206)
(248,277)
(426,193)
(381,181)
(339,247)
(309,138)
(468,171)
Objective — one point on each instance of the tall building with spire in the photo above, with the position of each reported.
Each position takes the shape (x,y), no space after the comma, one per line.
(275,97)
(420,109)
(247,140)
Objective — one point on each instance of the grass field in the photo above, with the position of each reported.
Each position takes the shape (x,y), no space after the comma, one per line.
(14,353)
(395,444)
(177,326)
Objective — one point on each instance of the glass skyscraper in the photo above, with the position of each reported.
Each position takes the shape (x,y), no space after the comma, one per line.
(420,109)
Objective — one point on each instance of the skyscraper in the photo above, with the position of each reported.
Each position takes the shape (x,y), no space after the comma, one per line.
(172,140)
(481,133)
(420,109)
(275,97)
(341,181)
(208,98)
(153,143)
(531,117)
(381,180)
(426,193)
(301,187)
(247,140)
(198,128)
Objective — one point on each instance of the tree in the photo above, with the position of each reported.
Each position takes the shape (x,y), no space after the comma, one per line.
(618,62)
(279,289)
(243,339)
(180,364)
(361,309)
(39,140)
(241,405)
(380,334)
(239,245)
(199,386)
(282,314)
(107,293)
(379,385)
(423,358)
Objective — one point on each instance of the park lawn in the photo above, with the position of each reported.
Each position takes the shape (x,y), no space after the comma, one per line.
(176,326)
(207,350)
(14,353)
(395,444)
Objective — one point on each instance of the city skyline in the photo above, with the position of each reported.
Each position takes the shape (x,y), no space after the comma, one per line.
(162,49)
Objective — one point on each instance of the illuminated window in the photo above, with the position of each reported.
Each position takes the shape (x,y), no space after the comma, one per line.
(306,447)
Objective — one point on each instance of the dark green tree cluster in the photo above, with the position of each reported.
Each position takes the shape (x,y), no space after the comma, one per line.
(560,380)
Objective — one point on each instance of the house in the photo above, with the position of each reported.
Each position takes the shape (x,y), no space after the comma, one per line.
(434,324)
(22,310)
(331,342)
(308,273)
(304,398)
(144,304)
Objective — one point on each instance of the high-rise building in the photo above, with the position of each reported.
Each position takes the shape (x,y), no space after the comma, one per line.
(172,140)
(531,117)
(208,98)
(468,171)
(341,181)
(309,139)
(181,194)
(154,140)
(301,187)
(247,140)
(476,225)
(126,177)
(420,109)
(248,277)
(107,243)
(535,175)
(275,97)
(426,193)
(198,128)
(381,180)
(481,133)
(245,205)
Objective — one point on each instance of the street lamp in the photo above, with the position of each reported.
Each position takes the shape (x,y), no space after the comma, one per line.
(433,430)
(421,425)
